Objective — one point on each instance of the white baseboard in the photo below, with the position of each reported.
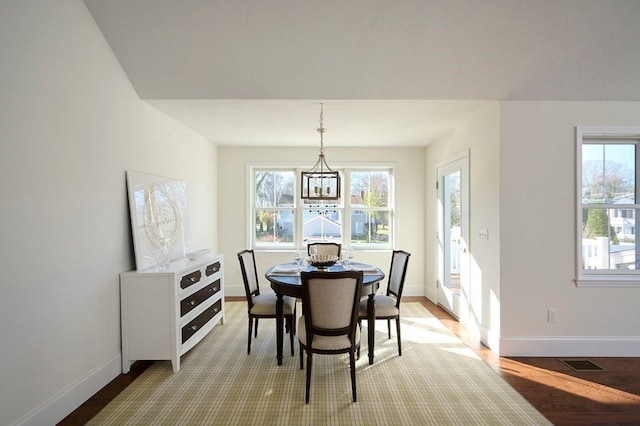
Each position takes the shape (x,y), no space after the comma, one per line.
(570,346)
(61,405)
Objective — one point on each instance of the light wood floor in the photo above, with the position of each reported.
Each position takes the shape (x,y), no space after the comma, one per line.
(561,394)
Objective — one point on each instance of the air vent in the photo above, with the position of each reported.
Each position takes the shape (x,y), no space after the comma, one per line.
(581,364)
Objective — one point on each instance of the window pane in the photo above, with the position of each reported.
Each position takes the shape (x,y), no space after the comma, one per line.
(370,189)
(274,188)
(274,227)
(608,239)
(322,225)
(608,173)
(369,227)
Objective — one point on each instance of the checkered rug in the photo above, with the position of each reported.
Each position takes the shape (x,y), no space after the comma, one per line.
(438,380)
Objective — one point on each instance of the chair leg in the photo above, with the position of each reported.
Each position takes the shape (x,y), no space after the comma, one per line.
(309,358)
(352,362)
(398,332)
(295,317)
(389,328)
(249,335)
(291,333)
(256,335)
(301,356)
(360,327)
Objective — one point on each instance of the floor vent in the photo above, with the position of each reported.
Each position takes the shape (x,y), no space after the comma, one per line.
(581,364)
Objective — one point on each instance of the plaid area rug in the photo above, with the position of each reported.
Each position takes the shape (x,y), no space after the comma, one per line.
(438,380)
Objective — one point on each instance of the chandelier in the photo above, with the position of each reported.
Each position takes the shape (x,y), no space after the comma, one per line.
(320,182)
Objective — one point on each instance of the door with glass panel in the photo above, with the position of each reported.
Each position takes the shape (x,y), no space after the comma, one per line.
(453,235)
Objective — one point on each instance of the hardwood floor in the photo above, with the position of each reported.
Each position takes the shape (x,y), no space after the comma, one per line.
(564,396)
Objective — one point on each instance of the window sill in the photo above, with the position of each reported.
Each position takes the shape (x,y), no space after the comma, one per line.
(608,282)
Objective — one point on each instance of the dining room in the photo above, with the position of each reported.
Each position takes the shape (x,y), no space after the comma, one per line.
(92,89)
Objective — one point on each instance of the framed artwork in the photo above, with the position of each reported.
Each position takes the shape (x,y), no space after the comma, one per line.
(159,218)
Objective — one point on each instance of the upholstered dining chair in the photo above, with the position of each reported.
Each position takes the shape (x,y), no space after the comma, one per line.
(329,321)
(325,248)
(388,305)
(263,305)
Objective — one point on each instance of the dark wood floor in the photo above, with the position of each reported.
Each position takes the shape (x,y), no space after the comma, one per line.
(561,394)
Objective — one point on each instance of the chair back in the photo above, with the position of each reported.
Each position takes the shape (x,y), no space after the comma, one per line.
(249,275)
(330,302)
(397,273)
(326,248)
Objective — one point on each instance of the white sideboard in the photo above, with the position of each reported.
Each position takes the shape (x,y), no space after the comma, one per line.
(166,313)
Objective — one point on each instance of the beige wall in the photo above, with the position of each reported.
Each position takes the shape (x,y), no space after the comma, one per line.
(70,125)
(480,135)
(537,265)
(410,195)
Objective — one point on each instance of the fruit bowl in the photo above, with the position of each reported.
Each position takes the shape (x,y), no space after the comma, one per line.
(322,261)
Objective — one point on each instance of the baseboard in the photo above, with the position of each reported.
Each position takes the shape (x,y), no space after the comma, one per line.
(570,346)
(61,405)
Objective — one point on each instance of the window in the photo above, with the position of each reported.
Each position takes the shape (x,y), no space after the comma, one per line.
(274,207)
(608,182)
(361,218)
(370,207)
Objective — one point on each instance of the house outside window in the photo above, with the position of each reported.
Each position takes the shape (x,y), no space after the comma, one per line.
(607,206)
(361,218)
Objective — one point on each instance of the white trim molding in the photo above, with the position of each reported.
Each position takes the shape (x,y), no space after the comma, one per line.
(565,346)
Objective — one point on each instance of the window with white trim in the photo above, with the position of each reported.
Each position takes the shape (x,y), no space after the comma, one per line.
(608,209)
(361,218)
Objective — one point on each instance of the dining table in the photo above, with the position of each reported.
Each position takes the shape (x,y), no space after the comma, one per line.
(285,281)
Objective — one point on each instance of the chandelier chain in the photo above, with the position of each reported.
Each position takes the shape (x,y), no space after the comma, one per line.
(321,129)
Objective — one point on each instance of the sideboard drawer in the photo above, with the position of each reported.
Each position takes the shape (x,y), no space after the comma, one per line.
(190,279)
(191,302)
(192,328)
(212,269)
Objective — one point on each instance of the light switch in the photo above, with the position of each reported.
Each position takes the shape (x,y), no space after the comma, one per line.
(483,234)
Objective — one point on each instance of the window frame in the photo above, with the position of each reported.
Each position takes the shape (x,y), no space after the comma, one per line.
(343,205)
(600,277)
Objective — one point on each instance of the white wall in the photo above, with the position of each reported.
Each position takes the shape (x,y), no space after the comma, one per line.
(480,135)
(537,265)
(232,198)
(70,125)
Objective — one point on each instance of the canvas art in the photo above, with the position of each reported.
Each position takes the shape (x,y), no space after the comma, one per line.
(159,219)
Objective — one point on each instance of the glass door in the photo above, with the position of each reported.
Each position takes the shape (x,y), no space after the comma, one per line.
(453,235)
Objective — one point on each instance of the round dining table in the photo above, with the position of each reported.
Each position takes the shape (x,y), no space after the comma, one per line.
(285,281)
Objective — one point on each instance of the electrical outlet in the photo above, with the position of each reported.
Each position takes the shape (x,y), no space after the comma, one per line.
(483,234)
(552,315)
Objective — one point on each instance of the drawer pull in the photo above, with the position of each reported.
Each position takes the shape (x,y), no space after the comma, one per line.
(212,269)
(192,302)
(194,327)
(192,279)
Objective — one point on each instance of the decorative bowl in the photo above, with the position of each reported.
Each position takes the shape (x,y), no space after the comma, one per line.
(322,261)
(193,255)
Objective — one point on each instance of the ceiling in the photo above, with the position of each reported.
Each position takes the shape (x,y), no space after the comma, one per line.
(401,73)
